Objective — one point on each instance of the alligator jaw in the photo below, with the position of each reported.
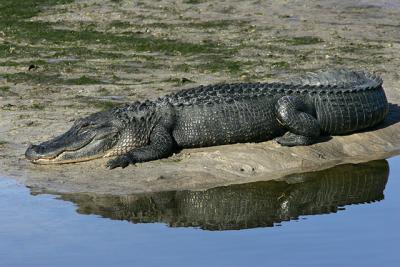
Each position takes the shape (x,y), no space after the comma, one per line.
(63,156)
(56,160)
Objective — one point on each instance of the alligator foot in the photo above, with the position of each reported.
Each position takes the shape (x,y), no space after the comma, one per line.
(291,139)
(121,161)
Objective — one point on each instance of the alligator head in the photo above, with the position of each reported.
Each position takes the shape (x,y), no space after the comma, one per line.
(98,135)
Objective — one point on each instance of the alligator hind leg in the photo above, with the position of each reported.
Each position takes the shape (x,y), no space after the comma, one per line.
(303,128)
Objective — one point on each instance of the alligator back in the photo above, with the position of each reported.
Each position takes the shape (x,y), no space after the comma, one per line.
(342,101)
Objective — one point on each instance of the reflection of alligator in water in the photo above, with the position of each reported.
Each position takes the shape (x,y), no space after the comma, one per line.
(250,205)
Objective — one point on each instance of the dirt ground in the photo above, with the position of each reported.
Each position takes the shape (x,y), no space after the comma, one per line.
(63,59)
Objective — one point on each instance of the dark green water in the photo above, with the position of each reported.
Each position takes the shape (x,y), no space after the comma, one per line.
(345,216)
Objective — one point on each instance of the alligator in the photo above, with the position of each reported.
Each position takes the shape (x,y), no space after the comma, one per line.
(296,112)
(242,206)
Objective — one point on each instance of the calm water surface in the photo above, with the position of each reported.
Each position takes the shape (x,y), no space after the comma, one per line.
(346,216)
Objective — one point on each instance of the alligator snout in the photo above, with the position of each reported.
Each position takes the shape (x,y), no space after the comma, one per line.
(40,152)
(34,152)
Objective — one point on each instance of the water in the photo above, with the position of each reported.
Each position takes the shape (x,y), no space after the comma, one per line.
(308,220)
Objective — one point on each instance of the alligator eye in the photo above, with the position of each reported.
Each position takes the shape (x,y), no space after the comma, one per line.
(84,127)
(85,124)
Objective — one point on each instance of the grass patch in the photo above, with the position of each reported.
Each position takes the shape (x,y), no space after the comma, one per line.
(33,77)
(194,1)
(4,88)
(13,63)
(38,106)
(96,103)
(216,24)
(227,65)
(103,104)
(280,65)
(304,40)
(44,37)
(83,80)
(24,51)
(5,91)
(11,10)
(42,32)
(82,52)
(201,25)
(43,41)
(119,24)
(3,143)
(359,48)
(41,78)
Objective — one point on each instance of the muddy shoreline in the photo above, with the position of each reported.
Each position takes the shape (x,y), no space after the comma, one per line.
(61,60)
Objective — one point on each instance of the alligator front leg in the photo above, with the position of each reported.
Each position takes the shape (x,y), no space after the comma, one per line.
(161,145)
(303,128)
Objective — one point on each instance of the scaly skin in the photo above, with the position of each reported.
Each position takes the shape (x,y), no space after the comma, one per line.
(296,112)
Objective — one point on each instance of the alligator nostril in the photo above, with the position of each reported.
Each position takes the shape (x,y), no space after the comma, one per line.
(35,148)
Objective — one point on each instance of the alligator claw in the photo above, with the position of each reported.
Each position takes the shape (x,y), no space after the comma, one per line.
(122,161)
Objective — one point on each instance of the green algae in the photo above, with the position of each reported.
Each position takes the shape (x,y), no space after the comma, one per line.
(303,40)
(83,80)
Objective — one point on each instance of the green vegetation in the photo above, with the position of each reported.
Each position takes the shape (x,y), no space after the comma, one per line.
(12,11)
(215,24)
(280,65)
(41,78)
(194,1)
(82,81)
(103,104)
(33,77)
(3,143)
(38,106)
(39,32)
(231,66)
(97,103)
(211,24)
(5,91)
(43,41)
(13,23)
(304,40)
(119,24)
(360,47)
